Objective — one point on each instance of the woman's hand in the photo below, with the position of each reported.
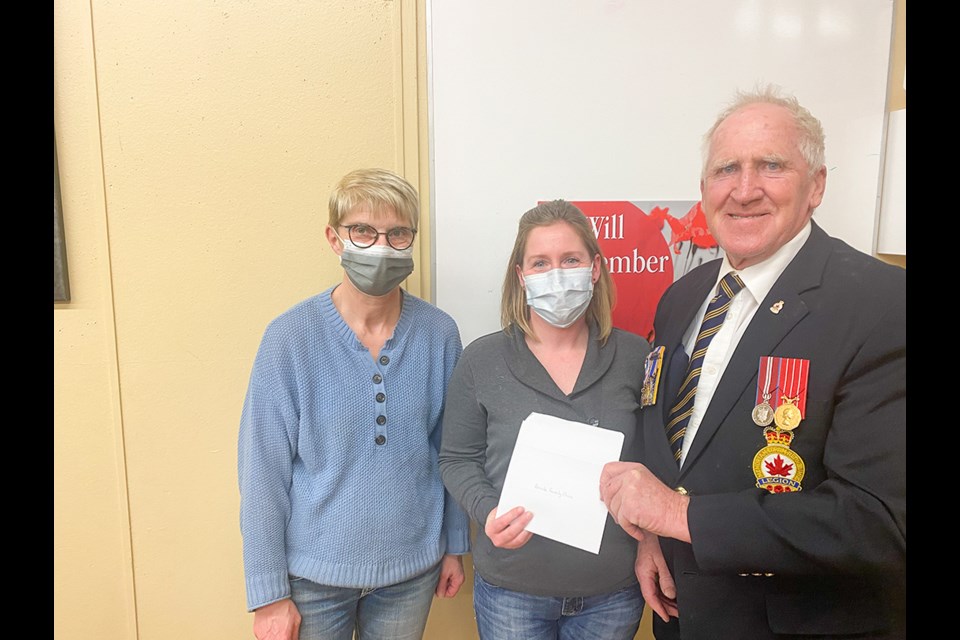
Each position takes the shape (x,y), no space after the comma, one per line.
(509,530)
(451,576)
(278,620)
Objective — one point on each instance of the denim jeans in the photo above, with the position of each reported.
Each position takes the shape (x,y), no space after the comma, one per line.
(503,614)
(395,612)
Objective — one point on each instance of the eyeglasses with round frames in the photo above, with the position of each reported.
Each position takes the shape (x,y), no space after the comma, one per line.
(364,236)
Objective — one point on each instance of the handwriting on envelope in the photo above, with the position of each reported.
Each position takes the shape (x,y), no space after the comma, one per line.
(555,473)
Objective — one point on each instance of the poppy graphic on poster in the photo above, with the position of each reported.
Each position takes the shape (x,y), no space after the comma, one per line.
(647,245)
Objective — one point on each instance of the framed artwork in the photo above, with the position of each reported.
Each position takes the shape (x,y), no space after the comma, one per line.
(61,281)
(647,245)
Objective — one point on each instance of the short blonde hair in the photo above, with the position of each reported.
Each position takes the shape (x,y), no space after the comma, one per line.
(514,310)
(378,189)
(809,129)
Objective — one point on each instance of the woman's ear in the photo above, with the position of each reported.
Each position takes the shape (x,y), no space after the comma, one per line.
(335,243)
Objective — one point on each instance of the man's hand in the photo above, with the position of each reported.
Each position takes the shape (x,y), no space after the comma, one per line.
(638,501)
(656,583)
(509,530)
(278,620)
(451,576)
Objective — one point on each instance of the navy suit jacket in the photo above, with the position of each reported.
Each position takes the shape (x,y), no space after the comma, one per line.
(831,558)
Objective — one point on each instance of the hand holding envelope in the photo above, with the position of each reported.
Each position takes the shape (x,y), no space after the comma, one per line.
(554,474)
(508,531)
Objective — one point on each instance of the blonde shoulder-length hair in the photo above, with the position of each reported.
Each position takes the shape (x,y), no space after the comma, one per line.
(513,305)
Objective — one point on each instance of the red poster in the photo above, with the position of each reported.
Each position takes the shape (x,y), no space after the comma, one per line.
(648,245)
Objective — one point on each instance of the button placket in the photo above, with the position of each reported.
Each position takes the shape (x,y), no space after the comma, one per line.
(380,398)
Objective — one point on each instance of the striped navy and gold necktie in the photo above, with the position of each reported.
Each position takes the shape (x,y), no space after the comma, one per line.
(679,415)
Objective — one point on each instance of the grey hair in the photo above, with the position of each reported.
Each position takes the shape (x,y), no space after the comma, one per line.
(810,130)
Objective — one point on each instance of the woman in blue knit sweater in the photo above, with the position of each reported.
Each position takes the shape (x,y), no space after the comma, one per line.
(346,525)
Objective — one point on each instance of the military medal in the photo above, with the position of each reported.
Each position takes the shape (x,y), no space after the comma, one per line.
(777,467)
(789,413)
(762,414)
(788,416)
(651,377)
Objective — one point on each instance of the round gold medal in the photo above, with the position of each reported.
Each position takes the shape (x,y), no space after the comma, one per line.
(787,416)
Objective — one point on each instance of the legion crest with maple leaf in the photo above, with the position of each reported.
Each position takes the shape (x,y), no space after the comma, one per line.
(777,467)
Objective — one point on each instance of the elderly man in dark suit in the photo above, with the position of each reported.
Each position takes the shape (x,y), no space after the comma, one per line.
(772,498)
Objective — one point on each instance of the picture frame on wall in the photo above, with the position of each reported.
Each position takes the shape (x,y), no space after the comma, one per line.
(61,280)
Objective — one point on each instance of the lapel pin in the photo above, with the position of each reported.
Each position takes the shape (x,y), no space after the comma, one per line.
(777,306)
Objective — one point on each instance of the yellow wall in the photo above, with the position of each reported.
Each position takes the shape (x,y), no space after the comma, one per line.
(197,145)
(93,568)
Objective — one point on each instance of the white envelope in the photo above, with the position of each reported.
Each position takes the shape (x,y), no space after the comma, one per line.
(555,473)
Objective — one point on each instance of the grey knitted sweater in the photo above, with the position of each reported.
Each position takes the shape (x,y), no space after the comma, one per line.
(495,386)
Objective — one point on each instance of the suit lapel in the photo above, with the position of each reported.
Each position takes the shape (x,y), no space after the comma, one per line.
(767,329)
(673,323)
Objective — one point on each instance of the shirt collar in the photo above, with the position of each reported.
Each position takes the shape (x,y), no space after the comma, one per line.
(758,279)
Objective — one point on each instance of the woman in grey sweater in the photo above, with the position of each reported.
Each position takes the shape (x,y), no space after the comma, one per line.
(564,359)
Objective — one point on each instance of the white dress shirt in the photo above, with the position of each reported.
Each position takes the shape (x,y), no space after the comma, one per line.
(758,280)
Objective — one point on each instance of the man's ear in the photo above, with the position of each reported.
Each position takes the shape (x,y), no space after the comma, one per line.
(819,186)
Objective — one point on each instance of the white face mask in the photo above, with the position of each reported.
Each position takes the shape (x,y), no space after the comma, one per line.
(378,269)
(560,296)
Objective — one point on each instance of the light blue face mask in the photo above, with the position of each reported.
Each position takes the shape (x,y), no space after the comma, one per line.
(376,270)
(560,296)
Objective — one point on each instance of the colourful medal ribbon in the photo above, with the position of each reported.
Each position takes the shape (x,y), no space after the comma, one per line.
(792,402)
(762,413)
(651,377)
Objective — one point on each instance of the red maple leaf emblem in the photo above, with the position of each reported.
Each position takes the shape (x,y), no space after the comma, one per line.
(778,468)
